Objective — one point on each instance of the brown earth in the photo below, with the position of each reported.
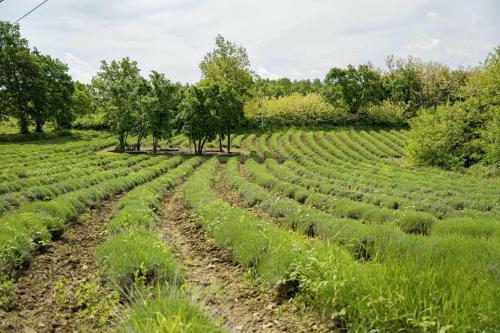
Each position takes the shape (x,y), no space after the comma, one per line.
(232,297)
(44,300)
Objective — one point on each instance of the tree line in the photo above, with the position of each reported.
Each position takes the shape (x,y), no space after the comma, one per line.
(213,108)
(452,113)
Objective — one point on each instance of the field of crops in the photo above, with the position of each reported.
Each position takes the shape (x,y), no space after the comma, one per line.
(334,227)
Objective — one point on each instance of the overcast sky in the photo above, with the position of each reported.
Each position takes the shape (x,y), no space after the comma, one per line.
(297,39)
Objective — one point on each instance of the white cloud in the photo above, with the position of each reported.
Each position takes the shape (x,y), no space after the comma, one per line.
(295,38)
(432,16)
(78,69)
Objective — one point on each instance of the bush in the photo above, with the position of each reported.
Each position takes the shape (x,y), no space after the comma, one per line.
(137,256)
(442,137)
(95,121)
(167,312)
(294,110)
(386,113)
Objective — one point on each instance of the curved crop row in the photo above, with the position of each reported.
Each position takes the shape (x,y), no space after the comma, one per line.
(137,260)
(359,296)
(50,191)
(32,226)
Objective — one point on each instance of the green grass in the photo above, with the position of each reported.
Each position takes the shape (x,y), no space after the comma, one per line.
(334,219)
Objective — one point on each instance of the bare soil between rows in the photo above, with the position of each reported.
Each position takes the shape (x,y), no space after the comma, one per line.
(69,262)
(227,293)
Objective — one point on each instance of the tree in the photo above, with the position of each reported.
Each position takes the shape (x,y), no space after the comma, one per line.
(82,101)
(52,96)
(33,87)
(353,87)
(117,88)
(229,112)
(197,116)
(464,133)
(161,113)
(403,84)
(17,75)
(228,64)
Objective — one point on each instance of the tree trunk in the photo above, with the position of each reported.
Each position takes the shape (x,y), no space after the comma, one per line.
(220,143)
(121,143)
(195,144)
(200,147)
(155,145)
(38,127)
(23,124)
(138,146)
(228,142)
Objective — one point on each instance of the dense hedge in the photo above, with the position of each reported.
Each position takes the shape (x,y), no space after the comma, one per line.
(294,110)
(313,110)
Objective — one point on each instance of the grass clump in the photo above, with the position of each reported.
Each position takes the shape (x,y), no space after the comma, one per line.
(137,256)
(168,312)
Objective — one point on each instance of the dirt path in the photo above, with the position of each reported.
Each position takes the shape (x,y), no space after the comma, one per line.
(45,299)
(229,295)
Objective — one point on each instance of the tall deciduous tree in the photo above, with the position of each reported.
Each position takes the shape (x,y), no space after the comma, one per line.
(229,112)
(161,113)
(354,87)
(33,86)
(228,64)
(17,75)
(117,87)
(197,117)
(52,96)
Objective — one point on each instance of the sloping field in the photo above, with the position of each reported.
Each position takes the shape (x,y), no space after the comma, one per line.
(306,230)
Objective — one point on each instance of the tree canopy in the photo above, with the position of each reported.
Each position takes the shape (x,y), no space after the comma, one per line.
(228,63)
(33,87)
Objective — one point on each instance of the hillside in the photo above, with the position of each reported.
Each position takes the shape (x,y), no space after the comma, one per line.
(325,229)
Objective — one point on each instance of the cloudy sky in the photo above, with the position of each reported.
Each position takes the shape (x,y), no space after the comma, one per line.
(297,39)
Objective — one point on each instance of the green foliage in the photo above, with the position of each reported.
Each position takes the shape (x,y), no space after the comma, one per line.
(168,312)
(387,113)
(284,87)
(464,133)
(197,116)
(227,64)
(353,87)
(93,120)
(293,110)
(452,137)
(166,97)
(135,255)
(228,111)
(116,87)
(35,87)
(7,288)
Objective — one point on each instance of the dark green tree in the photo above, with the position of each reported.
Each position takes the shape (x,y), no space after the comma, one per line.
(197,118)
(52,95)
(82,101)
(353,87)
(229,112)
(161,114)
(117,89)
(17,75)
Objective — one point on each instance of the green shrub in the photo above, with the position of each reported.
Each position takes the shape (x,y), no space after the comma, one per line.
(95,121)
(7,288)
(416,222)
(168,312)
(294,110)
(386,113)
(137,256)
